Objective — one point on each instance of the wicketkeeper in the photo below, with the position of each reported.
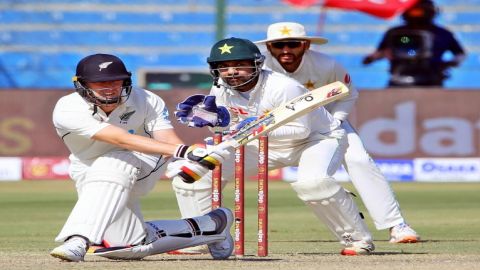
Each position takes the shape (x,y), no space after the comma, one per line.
(314,143)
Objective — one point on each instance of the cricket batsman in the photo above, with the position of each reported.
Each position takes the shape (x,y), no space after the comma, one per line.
(121,140)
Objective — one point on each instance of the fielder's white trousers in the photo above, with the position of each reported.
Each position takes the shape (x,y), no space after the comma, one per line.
(373,188)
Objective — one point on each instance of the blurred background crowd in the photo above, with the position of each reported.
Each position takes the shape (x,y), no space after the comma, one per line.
(41,41)
(415,62)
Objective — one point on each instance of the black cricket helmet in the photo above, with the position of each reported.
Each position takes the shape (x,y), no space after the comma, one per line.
(102,68)
(233,49)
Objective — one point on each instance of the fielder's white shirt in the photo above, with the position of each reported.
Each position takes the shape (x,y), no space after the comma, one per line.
(75,122)
(316,70)
(271,90)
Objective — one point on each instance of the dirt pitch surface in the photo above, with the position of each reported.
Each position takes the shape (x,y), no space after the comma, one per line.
(447,217)
(42,261)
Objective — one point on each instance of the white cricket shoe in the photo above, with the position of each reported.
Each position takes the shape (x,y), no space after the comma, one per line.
(73,250)
(223,249)
(358,248)
(403,233)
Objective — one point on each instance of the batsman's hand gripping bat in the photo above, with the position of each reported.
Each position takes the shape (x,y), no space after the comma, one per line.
(283,114)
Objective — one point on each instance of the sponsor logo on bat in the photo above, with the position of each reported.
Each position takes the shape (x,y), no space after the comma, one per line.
(291,105)
(258,130)
(334,92)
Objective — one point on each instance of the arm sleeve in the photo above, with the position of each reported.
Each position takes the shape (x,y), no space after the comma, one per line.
(384,41)
(80,123)
(455,46)
(290,131)
(157,117)
(298,128)
(342,108)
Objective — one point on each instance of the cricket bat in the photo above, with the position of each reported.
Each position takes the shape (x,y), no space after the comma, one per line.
(285,113)
(279,116)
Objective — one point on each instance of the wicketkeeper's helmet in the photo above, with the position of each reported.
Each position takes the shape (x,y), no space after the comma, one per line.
(233,49)
(102,68)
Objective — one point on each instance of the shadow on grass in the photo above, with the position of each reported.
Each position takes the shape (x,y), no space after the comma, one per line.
(335,241)
(252,258)
(373,254)
(448,240)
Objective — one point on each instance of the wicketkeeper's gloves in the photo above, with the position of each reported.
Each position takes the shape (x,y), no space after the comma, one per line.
(201,111)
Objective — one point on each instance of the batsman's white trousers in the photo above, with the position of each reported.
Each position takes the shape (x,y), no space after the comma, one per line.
(109,190)
(373,188)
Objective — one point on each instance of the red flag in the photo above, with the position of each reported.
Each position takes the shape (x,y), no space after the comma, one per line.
(383,9)
(301,3)
(380,8)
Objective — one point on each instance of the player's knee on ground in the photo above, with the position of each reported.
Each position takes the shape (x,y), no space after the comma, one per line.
(335,207)
(168,235)
(103,196)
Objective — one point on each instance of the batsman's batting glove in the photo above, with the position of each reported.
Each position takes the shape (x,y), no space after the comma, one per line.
(187,170)
(199,154)
(200,111)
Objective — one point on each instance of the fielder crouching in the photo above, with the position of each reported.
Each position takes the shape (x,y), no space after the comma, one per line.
(121,141)
(315,143)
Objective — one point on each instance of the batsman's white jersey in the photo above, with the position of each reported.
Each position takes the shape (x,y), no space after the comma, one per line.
(116,177)
(315,143)
(76,122)
(318,69)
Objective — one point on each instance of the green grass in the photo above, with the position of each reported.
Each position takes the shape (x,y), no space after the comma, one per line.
(447,216)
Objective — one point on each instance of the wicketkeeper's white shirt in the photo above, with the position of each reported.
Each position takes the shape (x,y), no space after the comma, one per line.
(271,90)
(316,70)
(75,122)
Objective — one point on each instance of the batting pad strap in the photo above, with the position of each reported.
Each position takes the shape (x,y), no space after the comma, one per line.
(316,190)
(194,226)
